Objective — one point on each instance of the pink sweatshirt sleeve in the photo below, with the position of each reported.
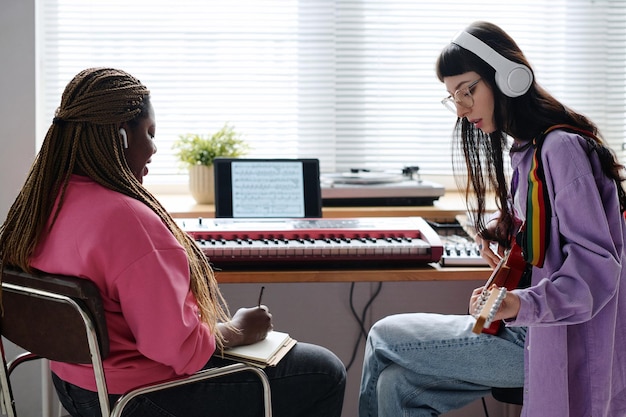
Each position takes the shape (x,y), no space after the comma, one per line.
(148,278)
(143,275)
(162,313)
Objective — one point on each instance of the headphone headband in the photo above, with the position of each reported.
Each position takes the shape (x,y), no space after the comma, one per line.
(512,79)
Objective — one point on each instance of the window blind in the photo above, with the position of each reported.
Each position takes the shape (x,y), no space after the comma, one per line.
(349,82)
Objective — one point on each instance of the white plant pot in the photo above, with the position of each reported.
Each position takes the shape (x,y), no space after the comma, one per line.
(201,184)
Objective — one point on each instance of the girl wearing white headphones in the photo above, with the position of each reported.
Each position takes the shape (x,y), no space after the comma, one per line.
(563,204)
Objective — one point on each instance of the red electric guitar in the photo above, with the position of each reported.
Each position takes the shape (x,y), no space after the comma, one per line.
(506,276)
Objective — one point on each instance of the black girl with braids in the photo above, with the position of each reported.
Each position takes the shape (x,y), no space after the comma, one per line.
(84,139)
(566,323)
(84,211)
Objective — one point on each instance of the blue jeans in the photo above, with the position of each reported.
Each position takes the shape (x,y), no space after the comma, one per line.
(308,382)
(423,365)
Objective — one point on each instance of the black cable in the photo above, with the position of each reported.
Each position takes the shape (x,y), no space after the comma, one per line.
(360,320)
(361,328)
(485,406)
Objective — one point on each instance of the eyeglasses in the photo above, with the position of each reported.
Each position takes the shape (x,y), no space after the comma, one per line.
(461,96)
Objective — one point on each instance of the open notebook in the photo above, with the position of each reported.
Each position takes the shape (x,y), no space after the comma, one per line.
(267,352)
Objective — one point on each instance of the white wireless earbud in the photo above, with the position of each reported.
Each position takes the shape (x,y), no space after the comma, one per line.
(124,137)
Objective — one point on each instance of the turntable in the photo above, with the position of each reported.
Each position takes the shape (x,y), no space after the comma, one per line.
(362,187)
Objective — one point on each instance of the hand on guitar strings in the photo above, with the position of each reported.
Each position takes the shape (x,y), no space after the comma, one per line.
(489,251)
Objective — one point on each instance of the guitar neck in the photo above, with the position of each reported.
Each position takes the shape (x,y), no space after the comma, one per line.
(505,276)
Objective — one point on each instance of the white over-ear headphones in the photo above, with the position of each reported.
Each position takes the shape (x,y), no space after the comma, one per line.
(513,79)
(124,137)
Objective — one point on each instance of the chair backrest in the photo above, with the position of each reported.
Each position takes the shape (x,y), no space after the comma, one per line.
(38,317)
(60,318)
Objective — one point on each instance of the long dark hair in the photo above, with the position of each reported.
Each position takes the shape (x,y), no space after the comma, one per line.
(478,158)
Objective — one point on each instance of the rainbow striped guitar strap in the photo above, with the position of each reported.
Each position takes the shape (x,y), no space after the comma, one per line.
(536,232)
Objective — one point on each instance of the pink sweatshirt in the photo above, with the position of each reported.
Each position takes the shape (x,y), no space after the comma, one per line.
(143,275)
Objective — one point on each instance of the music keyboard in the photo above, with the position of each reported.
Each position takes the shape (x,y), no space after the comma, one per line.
(459,249)
(320,243)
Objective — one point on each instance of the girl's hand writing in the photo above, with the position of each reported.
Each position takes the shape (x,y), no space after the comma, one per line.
(253,325)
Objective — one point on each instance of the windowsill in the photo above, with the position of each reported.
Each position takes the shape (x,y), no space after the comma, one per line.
(179,203)
(446,207)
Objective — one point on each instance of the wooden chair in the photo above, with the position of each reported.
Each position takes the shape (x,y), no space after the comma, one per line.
(61,318)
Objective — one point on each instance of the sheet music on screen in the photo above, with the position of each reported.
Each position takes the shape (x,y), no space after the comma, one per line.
(267,189)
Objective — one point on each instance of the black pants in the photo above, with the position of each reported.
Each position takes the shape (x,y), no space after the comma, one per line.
(308,382)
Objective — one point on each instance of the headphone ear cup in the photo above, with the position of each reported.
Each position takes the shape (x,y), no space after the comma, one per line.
(515,80)
(124,137)
(512,78)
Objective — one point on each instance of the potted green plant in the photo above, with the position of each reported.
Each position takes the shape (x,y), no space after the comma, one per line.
(197,152)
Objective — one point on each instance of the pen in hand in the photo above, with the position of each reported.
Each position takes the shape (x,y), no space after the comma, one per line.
(260,296)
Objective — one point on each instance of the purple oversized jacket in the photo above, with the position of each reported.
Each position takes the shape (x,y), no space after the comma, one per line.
(575,309)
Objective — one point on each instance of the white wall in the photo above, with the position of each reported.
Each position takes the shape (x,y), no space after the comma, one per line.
(17,143)
(17,97)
